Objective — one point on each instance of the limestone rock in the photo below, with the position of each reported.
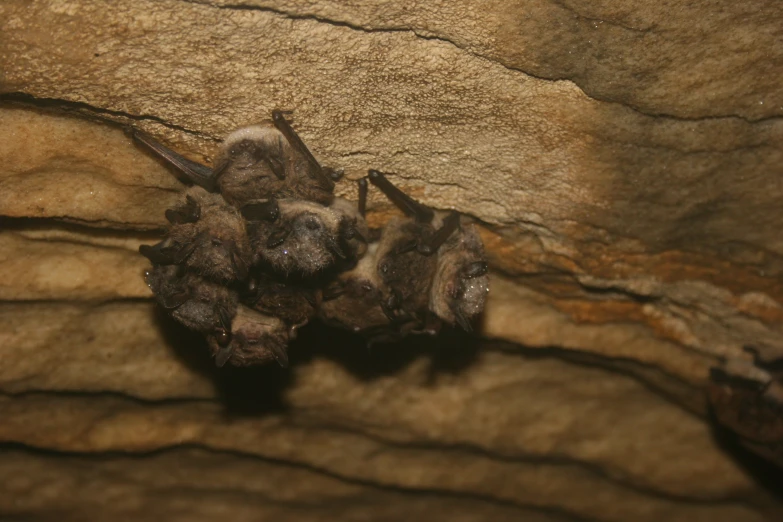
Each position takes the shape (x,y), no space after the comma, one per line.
(624,161)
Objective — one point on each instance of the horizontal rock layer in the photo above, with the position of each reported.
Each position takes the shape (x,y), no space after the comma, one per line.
(628,188)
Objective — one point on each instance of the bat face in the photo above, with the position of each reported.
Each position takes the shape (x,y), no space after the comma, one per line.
(258,163)
(252,164)
(306,238)
(295,303)
(254,338)
(395,290)
(353,300)
(352,233)
(407,274)
(199,304)
(206,235)
(461,284)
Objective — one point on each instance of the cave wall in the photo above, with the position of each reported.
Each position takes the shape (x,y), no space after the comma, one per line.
(623,159)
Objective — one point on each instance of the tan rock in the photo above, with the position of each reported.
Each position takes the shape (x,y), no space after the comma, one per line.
(195,485)
(517,430)
(68,267)
(63,167)
(121,347)
(625,160)
(651,46)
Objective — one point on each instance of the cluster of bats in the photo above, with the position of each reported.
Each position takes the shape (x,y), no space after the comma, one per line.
(260,245)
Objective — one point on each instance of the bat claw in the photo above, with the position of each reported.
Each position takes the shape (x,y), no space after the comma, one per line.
(223,355)
(280,354)
(463,321)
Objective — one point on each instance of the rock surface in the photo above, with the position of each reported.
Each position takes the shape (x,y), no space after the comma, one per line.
(625,161)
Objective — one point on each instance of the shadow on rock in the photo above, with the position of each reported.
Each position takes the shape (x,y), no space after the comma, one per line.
(451,351)
(250,391)
(260,390)
(766,473)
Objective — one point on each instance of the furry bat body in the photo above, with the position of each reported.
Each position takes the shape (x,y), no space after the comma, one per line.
(261,246)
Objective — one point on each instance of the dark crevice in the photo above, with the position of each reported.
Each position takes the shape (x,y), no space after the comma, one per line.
(133,399)
(97,224)
(20,224)
(616,477)
(623,366)
(93,225)
(563,5)
(83,243)
(82,303)
(440,38)
(321,20)
(96,228)
(614,291)
(682,147)
(87,111)
(78,242)
(423,491)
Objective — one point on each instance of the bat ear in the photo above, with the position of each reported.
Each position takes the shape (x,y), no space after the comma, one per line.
(318,173)
(240,266)
(401,200)
(334,248)
(432,244)
(175,300)
(187,213)
(167,252)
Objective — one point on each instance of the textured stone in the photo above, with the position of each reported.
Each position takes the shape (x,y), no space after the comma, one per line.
(636,54)
(589,183)
(122,347)
(195,485)
(66,266)
(523,431)
(63,167)
(624,160)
